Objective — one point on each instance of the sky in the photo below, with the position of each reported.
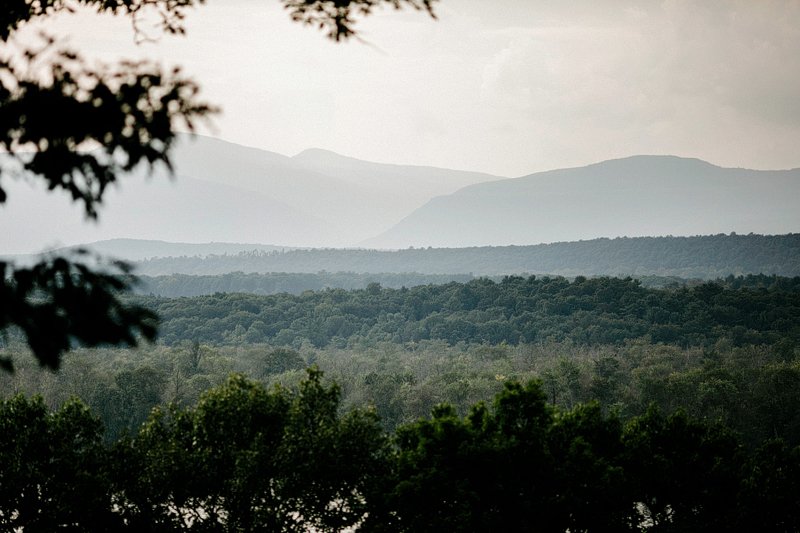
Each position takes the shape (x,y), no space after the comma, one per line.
(508,87)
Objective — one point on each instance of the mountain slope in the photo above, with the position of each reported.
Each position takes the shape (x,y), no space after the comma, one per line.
(355,198)
(181,210)
(408,187)
(636,196)
(227,192)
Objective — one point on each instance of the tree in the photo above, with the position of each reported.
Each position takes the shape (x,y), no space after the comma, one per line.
(281,360)
(111,120)
(685,473)
(251,459)
(770,499)
(54,473)
(521,466)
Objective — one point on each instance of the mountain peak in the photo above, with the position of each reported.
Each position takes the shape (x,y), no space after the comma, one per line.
(663,162)
(320,155)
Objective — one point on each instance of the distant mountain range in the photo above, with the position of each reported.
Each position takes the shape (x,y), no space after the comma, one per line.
(230,193)
(636,196)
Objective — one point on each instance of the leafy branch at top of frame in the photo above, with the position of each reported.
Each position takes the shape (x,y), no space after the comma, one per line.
(126,114)
(338,17)
(171,13)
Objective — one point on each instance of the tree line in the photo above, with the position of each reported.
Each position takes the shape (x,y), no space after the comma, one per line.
(249,458)
(516,309)
(753,390)
(176,285)
(705,257)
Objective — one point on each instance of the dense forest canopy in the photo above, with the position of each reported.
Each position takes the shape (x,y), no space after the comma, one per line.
(249,458)
(597,403)
(515,309)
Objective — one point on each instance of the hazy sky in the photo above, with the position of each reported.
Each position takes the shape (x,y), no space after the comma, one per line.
(502,86)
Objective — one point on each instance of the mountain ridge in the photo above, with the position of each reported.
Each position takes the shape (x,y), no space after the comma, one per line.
(634,196)
(279,200)
(318,198)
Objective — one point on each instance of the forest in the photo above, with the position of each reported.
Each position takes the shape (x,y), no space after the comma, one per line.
(415,409)
(247,457)
(748,310)
(175,285)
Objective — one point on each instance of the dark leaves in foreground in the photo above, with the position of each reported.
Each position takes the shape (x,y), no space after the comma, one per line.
(125,115)
(338,18)
(59,304)
(170,13)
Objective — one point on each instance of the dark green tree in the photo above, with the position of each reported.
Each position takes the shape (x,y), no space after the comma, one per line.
(519,466)
(53,469)
(251,459)
(685,474)
(280,360)
(770,499)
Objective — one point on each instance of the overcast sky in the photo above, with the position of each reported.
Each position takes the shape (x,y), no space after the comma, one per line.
(508,87)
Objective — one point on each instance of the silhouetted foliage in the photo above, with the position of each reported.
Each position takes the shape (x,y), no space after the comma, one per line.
(129,111)
(58,303)
(247,458)
(338,17)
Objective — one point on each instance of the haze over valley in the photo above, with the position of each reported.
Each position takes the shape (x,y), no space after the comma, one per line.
(223,192)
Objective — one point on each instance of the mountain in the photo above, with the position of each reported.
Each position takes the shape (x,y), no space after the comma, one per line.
(354,198)
(635,196)
(181,210)
(228,192)
(402,188)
